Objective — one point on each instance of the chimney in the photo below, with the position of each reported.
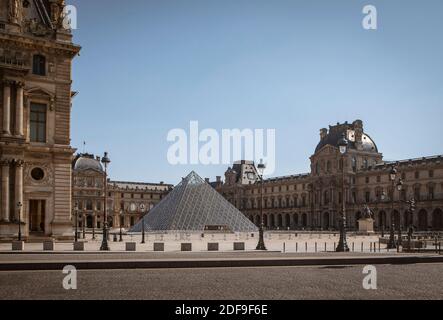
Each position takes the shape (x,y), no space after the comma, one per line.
(97,158)
(218,179)
(323,133)
(358,128)
(207,180)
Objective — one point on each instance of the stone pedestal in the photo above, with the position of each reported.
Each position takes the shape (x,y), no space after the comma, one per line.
(186,247)
(213,246)
(366,225)
(48,245)
(131,246)
(158,246)
(79,246)
(239,246)
(18,246)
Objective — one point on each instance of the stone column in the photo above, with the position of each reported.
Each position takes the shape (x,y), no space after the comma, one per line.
(6,107)
(19,110)
(18,185)
(5,190)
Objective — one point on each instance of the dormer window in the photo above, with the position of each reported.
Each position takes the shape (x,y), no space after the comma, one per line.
(39,65)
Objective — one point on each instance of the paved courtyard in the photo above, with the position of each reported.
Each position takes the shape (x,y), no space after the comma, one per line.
(421,281)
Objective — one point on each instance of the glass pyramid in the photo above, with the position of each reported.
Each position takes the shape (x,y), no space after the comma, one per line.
(194,205)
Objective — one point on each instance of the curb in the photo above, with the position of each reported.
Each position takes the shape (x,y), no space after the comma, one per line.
(215,263)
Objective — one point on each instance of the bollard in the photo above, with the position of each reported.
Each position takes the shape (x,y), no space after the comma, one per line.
(284,247)
(353,246)
(158,246)
(239,246)
(213,246)
(296,247)
(316,247)
(370,247)
(362,247)
(379,246)
(186,247)
(79,246)
(48,245)
(326,247)
(306,247)
(18,245)
(131,246)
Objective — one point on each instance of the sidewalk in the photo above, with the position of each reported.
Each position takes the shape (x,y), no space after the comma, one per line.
(31,262)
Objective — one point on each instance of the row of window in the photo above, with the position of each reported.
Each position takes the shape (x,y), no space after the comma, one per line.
(417,175)
(327,198)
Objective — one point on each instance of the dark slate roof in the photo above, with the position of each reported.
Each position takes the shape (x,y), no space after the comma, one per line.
(87,162)
(194,205)
(334,136)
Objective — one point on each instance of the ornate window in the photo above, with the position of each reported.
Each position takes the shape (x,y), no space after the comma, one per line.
(39,65)
(38,122)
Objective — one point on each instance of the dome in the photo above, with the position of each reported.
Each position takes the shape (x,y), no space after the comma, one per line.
(87,162)
(336,132)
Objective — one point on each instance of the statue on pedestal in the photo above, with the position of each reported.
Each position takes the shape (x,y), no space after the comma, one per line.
(366,222)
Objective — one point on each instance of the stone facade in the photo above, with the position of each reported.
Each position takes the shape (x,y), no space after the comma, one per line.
(313,201)
(35,95)
(127,201)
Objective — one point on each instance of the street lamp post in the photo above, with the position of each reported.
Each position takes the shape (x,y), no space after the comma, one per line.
(142,208)
(105,246)
(411,204)
(261,241)
(94,218)
(399,236)
(342,244)
(392,177)
(19,210)
(121,234)
(76,222)
(84,225)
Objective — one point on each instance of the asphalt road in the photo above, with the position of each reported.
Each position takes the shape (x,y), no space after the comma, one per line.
(421,281)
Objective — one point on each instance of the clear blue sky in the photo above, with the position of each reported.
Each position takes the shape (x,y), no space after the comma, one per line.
(147,67)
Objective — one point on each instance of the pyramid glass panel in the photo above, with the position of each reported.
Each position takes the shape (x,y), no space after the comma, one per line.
(194,205)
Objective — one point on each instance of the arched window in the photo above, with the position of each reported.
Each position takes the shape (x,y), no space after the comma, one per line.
(39,65)
(328,166)
(365,163)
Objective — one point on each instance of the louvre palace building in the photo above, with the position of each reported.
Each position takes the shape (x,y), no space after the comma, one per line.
(313,201)
(127,202)
(36,55)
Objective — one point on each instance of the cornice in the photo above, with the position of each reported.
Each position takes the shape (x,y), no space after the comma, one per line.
(27,42)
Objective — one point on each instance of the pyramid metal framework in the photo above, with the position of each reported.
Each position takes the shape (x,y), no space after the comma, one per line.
(194,205)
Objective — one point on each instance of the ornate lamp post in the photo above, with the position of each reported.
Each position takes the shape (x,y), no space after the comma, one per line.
(19,210)
(121,234)
(411,204)
(76,222)
(261,241)
(93,225)
(142,208)
(392,177)
(105,246)
(342,244)
(84,225)
(399,240)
